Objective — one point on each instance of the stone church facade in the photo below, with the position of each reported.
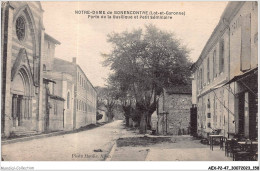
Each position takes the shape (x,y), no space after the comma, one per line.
(22,41)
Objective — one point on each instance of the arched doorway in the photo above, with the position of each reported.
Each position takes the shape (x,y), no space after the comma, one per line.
(21,97)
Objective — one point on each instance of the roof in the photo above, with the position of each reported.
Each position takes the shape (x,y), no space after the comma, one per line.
(78,66)
(47,36)
(179,89)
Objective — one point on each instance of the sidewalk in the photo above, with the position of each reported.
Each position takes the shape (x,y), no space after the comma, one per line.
(187,154)
(45,135)
(175,148)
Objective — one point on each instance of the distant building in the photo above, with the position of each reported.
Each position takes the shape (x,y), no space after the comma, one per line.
(173,111)
(83,96)
(224,89)
(102,110)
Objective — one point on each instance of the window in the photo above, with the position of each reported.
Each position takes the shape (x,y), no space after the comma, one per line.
(208,69)
(80,79)
(68,100)
(55,108)
(214,64)
(209,115)
(202,76)
(208,105)
(209,125)
(201,81)
(221,56)
(51,87)
(198,80)
(44,67)
(245,58)
(20,28)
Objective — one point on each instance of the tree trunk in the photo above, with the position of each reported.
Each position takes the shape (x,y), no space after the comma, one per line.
(149,122)
(110,116)
(127,121)
(143,123)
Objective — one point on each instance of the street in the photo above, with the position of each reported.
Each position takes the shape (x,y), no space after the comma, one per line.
(77,146)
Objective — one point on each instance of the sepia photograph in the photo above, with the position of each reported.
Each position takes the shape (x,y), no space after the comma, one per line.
(130,81)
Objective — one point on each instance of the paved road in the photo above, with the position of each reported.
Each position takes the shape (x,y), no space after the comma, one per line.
(70,147)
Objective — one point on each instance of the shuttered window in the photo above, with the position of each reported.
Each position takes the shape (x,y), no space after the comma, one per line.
(221,56)
(246,43)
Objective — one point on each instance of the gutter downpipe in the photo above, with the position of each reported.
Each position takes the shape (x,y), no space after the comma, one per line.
(228,69)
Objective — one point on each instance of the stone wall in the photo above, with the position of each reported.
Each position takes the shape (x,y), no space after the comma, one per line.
(56,115)
(177,120)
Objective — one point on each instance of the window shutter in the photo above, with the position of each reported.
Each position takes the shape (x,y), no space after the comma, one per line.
(245,63)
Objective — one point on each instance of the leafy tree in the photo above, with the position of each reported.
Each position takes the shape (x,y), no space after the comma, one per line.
(143,63)
(107,97)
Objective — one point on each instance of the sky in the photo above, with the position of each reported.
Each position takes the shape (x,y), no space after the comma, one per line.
(86,38)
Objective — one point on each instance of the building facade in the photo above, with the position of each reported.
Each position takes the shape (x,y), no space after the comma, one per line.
(53,96)
(84,94)
(224,86)
(36,96)
(173,111)
(22,34)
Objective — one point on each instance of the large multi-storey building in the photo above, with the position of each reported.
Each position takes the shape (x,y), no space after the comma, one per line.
(225,83)
(85,95)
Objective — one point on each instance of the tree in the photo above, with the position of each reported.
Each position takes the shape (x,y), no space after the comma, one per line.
(107,97)
(143,64)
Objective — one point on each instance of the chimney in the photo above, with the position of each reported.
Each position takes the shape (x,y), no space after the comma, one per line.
(74,60)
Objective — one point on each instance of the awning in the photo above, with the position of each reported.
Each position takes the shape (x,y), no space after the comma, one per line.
(218,86)
(243,75)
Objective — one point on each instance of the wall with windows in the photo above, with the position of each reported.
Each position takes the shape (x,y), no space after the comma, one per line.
(244,39)
(230,51)
(212,71)
(83,93)
(213,68)
(86,100)
(63,87)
